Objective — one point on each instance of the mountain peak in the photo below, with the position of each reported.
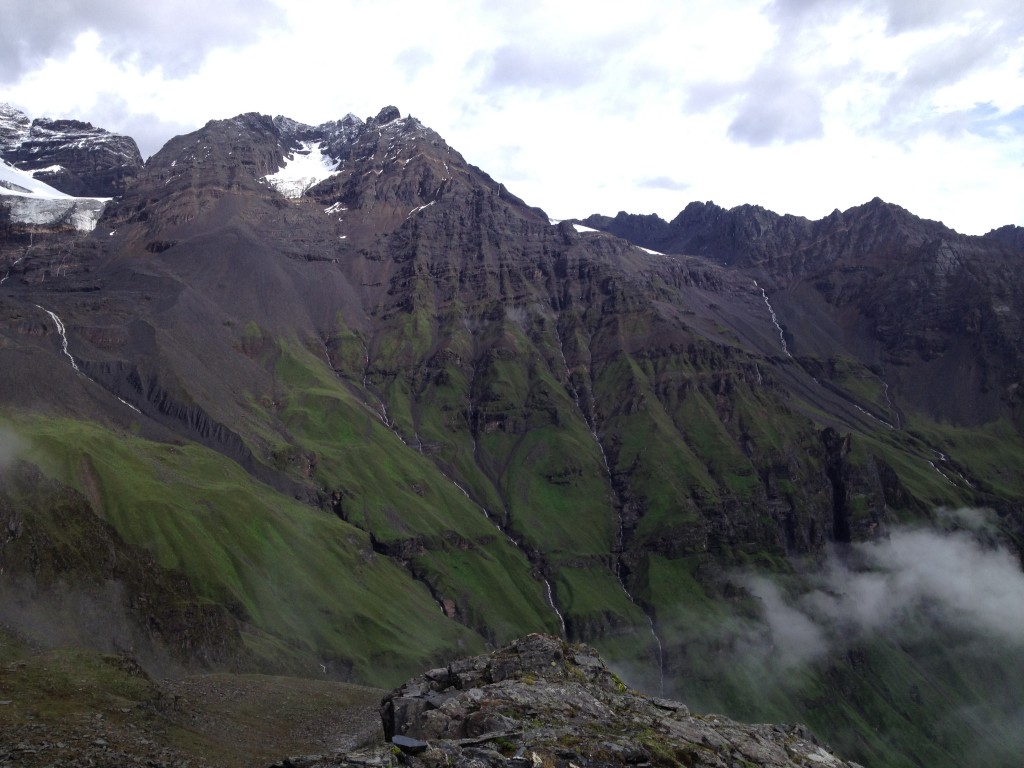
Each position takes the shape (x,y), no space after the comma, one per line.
(386,115)
(71,156)
(14,127)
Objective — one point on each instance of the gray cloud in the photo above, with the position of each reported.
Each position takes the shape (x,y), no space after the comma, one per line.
(117,115)
(795,637)
(940,64)
(412,60)
(521,66)
(790,14)
(174,35)
(910,15)
(702,97)
(781,102)
(955,598)
(901,16)
(779,106)
(663,182)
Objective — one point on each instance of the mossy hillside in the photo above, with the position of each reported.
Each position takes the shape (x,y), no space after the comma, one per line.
(294,573)
(989,456)
(402,344)
(598,611)
(536,447)
(645,448)
(63,682)
(397,494)
(347,349)
(534,456)
(388,487)
(559,501)
(861,382)
(541,469)
(443,409)
(532,444)
(487,599)
(925,486)
(703,430)
(380,492)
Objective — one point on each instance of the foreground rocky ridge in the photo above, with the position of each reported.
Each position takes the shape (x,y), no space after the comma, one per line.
(540,701)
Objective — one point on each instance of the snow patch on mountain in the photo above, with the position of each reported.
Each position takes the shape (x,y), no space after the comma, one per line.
(15,181)
(303,168)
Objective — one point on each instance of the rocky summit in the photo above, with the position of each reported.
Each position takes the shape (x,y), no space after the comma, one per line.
(69,155)
(328,403)
(541,701)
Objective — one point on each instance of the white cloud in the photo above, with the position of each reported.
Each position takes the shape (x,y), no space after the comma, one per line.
(798,106)
(951,577)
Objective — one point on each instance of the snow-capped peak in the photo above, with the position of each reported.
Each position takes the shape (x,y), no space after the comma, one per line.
(14,126)
(303,168)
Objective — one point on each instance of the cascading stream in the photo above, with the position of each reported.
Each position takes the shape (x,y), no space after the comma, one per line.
(74,364)
(591,422)
(549,590)
(775,320)
(63,335)
(885,392)
(12,266)
(890,404)
(381,412)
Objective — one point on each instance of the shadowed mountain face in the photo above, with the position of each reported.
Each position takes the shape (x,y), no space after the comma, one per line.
(69,155)
(936,313)
(399,414)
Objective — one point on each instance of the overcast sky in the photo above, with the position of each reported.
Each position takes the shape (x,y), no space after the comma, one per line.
(801,106)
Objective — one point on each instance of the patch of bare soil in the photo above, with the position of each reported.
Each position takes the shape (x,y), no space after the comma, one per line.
(68,708)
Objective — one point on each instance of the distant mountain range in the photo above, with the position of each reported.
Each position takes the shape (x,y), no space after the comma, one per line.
(330,400)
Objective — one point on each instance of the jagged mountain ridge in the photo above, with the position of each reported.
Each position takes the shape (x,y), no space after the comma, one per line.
(536,427)
(936,312)
(70,155)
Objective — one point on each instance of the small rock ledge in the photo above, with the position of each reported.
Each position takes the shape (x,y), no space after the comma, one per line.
(543,703)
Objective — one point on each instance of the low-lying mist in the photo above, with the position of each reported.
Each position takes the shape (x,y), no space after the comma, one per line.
(11,445)
(924,625)
(949,577)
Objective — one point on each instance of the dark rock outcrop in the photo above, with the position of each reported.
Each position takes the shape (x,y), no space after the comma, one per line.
(904,294)
(543,702)
(69,155)
(1008,235)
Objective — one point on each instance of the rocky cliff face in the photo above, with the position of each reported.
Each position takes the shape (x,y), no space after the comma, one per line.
(936,313)
(69,155)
